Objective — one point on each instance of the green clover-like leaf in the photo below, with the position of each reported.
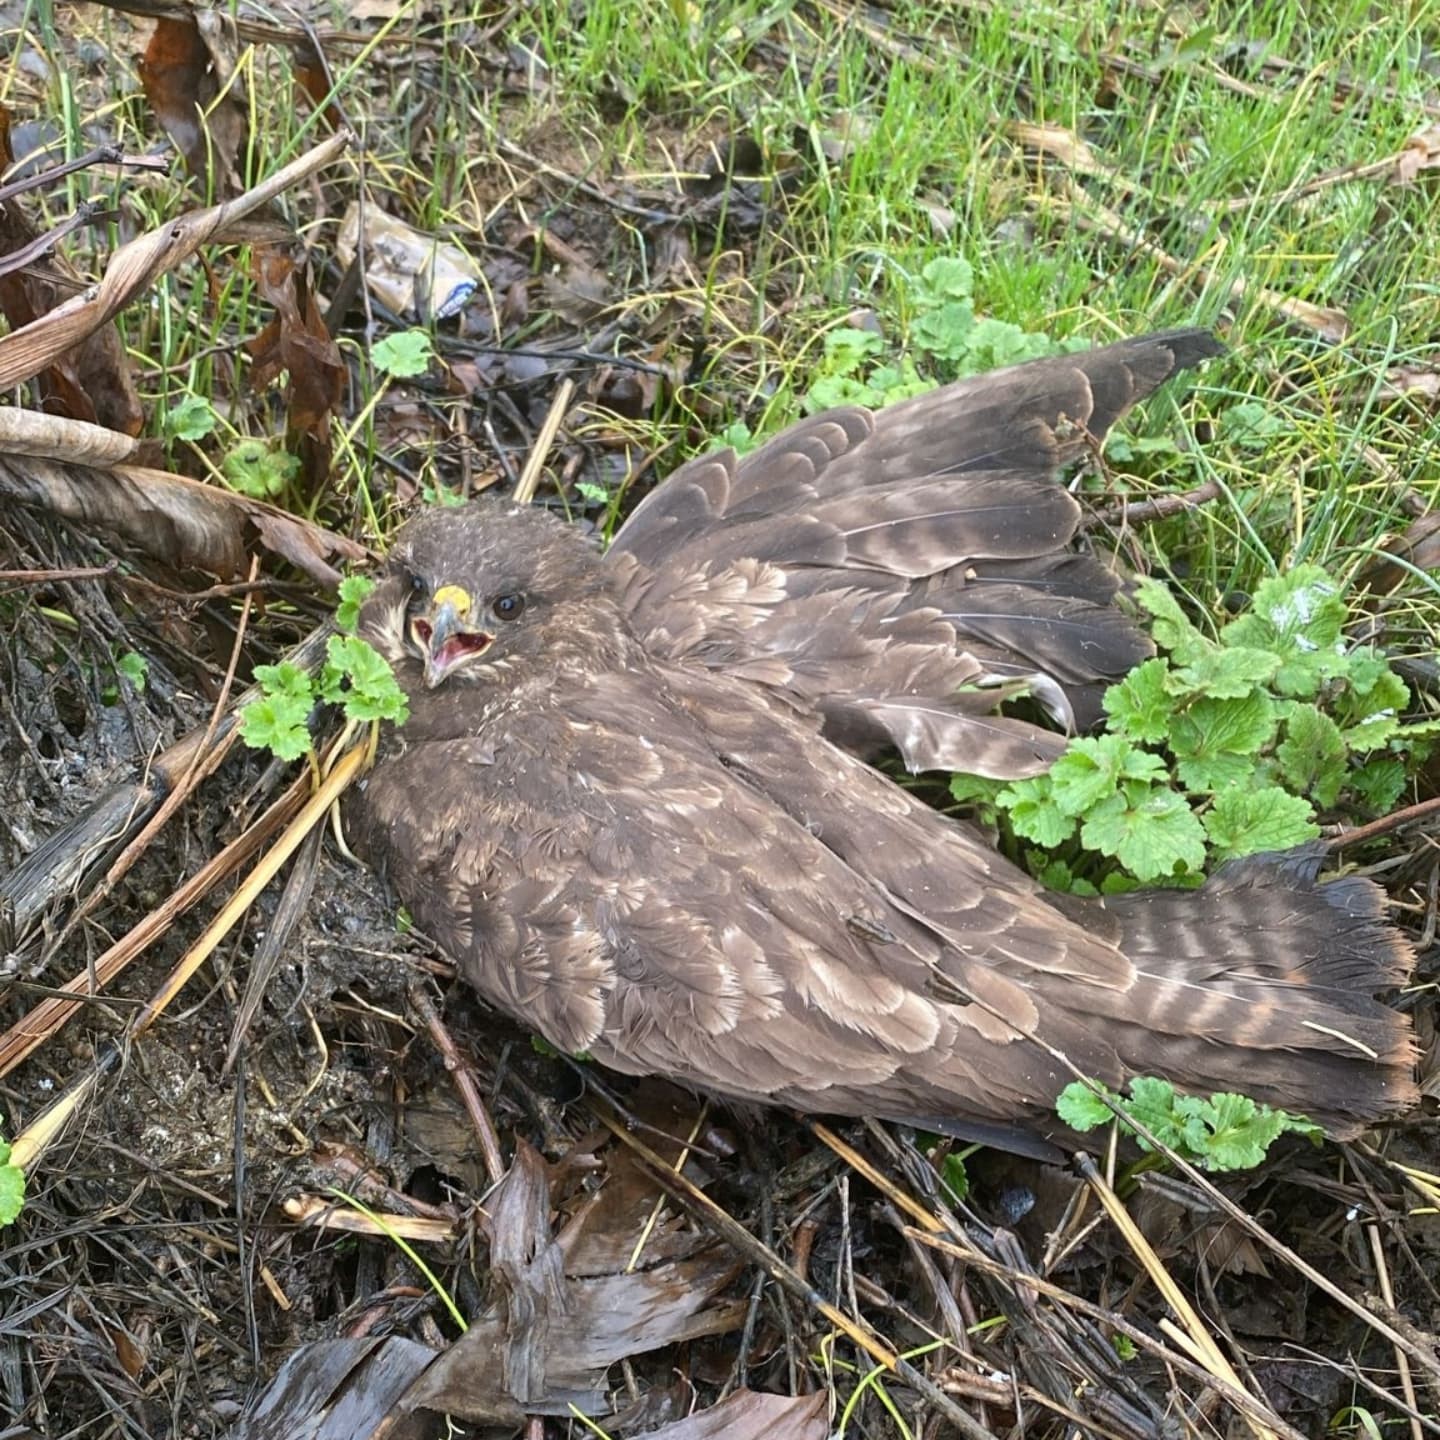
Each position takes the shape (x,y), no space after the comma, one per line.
(1229,672)
(404,354)
(1033,812)
(1141,705)
(254,469)
(353,590)
(1246,821)
(1150,830)
(12,1193)
(1312,755)
(1170,625)
(191,417)
(1081,1109)
(1216,742)
(373,693)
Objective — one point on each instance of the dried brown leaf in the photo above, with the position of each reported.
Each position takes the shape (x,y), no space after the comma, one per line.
(1421,152)
(91,381)
(54,437)
(747,1413)
(27,351)
(1418,547)
(546,1342)
(297,343)
(341,1390)
(187,65)
(314,81)
(177,520)
(1420,382)
(578,294)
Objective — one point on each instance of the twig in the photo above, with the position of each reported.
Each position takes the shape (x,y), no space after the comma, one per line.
(88,212)
(46,577)
(464,1079)
(699,1204)
(32,1030)
(1196,1336)
(1241,1399)
(695,1200)
(1139,512)
(1387,1294)
(203,763)
(530,476)
(1330,325)
(1386,823)
(342,772)
(100,155)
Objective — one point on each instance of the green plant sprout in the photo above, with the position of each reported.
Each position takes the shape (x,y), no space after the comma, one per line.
(257,469)
(12,1187)
(1217,749)
(1225,1132)
(354,676)
(948,337)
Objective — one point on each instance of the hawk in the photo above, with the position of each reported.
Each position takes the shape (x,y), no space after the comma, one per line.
(634,799)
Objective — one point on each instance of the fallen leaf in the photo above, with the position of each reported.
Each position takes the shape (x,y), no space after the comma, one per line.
(747,1413)
(1411,382)
(187,65)
(578,293)
(1418,547)
(25,352)
(90,380)
(548,1338)
(314,81)
(1420,152)
(179,521)
(341,1390)
(297,343)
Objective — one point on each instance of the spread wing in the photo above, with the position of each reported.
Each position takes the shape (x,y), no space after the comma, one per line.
(901,571)
(657,868)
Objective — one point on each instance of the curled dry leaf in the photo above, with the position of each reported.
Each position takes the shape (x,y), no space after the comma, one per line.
(748,1413)
(1418,547)
(577,294)
(547,1341)
(188,71)
(340,1390)
(90,381)
(1064,146)
(25,352)
(297,344)
(73,442)
(1421,152)
(1415,382)
(181,522)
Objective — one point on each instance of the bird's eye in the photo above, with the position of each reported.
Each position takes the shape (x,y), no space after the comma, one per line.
(417,585)
(509,607)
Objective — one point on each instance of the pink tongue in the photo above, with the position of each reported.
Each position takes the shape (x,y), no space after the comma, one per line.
(459,646)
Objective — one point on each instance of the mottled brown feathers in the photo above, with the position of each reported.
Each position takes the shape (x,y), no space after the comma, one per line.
(642,822)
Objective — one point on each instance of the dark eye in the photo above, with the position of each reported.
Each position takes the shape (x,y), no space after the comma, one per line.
(417,585)
(509,607)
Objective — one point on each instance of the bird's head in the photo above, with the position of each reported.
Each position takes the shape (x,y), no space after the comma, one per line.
(477,590)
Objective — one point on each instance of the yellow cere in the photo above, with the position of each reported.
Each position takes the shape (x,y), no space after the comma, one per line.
(453,595)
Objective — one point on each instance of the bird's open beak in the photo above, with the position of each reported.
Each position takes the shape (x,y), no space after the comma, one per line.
(445,636)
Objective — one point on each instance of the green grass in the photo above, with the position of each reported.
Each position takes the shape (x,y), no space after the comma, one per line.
(892,147)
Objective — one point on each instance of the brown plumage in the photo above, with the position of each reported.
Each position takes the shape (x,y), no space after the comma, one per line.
(632,801)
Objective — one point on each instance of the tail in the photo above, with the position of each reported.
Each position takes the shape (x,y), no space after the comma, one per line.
(1263,982)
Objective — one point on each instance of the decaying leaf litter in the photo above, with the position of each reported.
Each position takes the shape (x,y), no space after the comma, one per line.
(194,1225)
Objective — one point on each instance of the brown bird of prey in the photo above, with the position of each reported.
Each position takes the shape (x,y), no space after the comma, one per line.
(633,800)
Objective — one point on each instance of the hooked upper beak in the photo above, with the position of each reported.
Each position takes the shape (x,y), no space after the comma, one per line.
(445,637)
